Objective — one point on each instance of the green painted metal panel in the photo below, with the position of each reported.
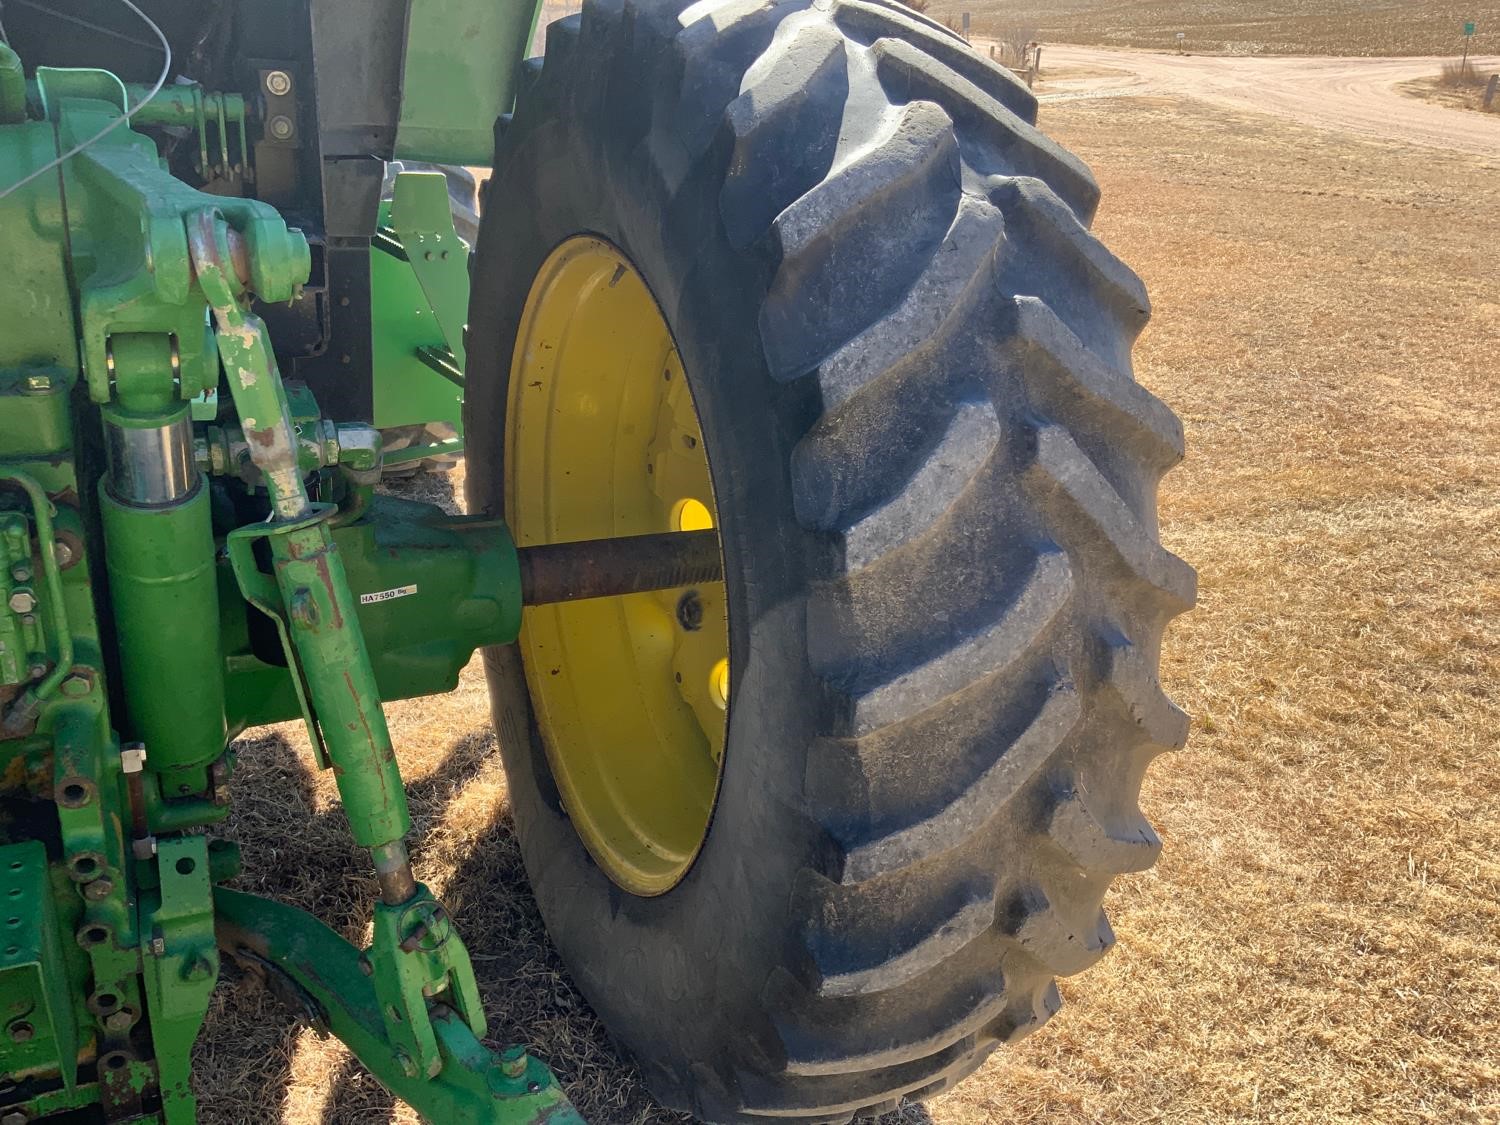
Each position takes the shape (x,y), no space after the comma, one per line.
(404,328)
(37,329)
(36,1009)
(421,214)
(459,74)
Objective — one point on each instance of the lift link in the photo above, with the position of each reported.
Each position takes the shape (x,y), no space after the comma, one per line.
(418,964)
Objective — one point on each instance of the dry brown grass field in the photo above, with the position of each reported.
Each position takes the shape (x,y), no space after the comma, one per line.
(1277,27)
(1458,86)
(1318,942)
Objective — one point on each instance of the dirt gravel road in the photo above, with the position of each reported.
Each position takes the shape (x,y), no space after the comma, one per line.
(1354,95)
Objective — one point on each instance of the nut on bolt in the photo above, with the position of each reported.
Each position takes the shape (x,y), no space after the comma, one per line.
(280,127)
(278,82)
(513,1061)
(22,601)
(690,611)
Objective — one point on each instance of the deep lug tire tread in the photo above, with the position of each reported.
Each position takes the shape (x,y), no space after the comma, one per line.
(975,488)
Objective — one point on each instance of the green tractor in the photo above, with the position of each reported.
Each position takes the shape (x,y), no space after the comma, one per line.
(811,545)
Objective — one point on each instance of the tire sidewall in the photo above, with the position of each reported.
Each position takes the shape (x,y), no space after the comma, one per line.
(678,979)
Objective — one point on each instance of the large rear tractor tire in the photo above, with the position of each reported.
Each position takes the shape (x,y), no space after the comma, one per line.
(823,244)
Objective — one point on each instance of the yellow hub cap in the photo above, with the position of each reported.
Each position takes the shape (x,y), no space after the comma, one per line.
(602,439)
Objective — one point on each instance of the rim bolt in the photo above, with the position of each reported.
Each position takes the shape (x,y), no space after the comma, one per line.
(690,611)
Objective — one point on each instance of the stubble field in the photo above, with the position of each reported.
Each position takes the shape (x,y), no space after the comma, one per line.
(1318,940)
(1246,27)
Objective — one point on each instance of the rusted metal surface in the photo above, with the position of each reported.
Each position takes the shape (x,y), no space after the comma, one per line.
(604,568)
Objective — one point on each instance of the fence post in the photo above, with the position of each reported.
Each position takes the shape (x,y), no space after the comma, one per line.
(1489,90)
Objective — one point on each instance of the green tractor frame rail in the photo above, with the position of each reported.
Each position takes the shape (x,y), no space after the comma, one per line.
(790,375)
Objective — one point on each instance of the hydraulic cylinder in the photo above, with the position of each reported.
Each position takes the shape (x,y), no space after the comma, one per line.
(160,553)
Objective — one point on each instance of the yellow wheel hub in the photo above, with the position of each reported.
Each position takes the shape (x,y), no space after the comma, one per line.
(602,439)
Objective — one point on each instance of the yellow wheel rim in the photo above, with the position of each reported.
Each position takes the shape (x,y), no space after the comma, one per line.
(602,439)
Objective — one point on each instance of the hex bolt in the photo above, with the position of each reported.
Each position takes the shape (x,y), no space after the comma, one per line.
(513,1061)
(21,1032)
(365,966)
(280,127)
(62,550)
(21,572)
(405,1063)
(75,687)
(37,384)
(690,611)
(22,601)
(278,83)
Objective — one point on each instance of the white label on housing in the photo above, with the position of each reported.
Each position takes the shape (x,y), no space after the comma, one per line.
(387,595)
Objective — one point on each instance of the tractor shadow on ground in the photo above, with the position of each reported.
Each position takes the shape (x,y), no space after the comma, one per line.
(297,849)
(253,1058)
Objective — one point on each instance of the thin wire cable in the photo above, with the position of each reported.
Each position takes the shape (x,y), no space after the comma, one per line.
(49,10)
(161,80)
